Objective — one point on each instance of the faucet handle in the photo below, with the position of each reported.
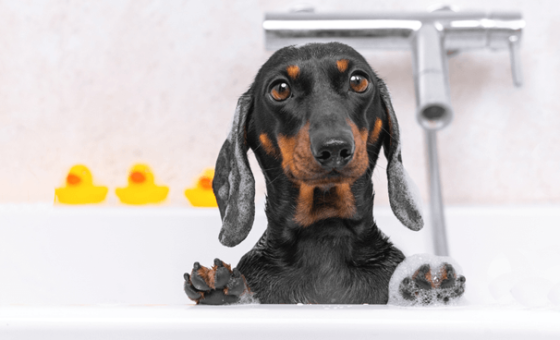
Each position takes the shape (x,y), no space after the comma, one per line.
(515,57)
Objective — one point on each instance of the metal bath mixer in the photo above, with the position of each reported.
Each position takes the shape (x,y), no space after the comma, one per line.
(432,37)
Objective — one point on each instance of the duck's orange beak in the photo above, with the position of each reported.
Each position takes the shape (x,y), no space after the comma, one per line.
(72,179)
(137,177)
(205,182)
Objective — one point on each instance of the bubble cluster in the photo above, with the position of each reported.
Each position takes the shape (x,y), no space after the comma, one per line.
(435,287)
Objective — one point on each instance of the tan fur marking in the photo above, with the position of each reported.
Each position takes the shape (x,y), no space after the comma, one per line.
(374,136)
(304,207)
(205,274)
(342,64)
(337,201)
(442,276)
(211,281)
(443,273)
(287,146)
(211,274)
(428,278)
(293,71)
(268,146)
(297,161)
(360,162)
(228,266)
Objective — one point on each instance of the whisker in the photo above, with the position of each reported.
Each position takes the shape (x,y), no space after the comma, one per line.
(273,168)
(272,181)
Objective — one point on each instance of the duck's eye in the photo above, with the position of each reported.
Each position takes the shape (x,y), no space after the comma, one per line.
(358,83)
(280,92)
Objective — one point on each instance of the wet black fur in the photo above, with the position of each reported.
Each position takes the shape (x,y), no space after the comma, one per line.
(334,260)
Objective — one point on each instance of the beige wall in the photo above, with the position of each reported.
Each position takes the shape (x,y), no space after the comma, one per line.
(110,83)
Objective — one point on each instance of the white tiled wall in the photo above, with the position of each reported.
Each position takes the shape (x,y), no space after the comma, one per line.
(110,83)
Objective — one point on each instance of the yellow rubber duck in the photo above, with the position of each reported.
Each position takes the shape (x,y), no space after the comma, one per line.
(79,188)
(141,188)
(202,195)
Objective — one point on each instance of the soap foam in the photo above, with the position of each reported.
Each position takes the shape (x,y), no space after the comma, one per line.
(408,267)
(248,299)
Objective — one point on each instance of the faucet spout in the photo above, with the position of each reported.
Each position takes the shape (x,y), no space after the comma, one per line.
(434,111)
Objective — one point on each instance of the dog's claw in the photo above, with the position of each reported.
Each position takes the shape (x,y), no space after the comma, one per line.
(222,277)
(189,289)
(214,286)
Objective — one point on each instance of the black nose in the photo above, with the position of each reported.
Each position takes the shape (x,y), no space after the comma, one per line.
(334,152)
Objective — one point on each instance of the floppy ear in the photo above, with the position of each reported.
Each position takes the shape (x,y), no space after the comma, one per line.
(403,196)
(234,184)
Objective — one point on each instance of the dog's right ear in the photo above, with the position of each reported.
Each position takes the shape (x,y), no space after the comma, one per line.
(234,184)
(402,197)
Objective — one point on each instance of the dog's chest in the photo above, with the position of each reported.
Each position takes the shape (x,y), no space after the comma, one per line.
(326,264)
(331,273)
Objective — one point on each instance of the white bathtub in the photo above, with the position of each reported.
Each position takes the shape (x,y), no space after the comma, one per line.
(116,273)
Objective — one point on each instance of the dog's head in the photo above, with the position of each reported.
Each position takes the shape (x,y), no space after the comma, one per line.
(316,115)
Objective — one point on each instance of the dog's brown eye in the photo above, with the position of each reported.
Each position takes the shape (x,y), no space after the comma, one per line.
(358,83)
(280,92)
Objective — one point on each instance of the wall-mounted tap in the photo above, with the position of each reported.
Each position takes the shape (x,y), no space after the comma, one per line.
(431,36)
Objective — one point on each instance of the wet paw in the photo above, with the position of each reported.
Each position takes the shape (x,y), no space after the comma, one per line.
(219,285)
(427,286)
(425,280)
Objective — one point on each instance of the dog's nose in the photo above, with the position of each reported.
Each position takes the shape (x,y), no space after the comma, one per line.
(334,152)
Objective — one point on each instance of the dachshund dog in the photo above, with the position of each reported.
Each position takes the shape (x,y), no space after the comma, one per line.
(316,118)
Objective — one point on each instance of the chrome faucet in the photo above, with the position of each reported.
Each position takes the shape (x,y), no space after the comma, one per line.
(432,37)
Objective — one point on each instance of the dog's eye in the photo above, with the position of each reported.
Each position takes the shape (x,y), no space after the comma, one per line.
(280,92)
(358,83)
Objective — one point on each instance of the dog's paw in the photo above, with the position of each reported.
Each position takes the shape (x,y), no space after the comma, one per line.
(426,280)
(427,286)
(219,285)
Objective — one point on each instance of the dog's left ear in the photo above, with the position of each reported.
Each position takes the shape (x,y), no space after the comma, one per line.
(234,184)
(403,196)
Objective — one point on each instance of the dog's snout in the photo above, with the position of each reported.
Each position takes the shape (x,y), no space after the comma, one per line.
(334,152)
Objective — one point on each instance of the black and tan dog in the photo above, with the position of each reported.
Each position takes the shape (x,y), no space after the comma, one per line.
(316,118)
